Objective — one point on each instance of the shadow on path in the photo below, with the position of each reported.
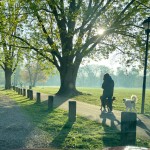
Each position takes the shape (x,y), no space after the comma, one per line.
(142,125)
(112,135)
(57,100)
(110,117)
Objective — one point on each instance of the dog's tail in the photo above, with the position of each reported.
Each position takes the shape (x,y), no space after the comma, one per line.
(134,98)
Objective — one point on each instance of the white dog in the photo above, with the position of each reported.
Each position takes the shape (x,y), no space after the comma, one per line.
(130,103)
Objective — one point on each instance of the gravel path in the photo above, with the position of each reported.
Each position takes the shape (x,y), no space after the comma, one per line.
(16,129)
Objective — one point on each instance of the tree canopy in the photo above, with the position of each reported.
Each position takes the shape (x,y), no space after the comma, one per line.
(66,31)
(10,50)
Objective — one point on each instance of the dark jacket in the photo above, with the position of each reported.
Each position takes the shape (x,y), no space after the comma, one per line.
(108,86)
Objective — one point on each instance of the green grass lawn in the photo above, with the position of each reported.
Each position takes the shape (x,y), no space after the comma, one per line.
(91,95)
(83,134)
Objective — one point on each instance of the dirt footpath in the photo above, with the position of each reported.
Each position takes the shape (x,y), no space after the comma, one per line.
(16,129)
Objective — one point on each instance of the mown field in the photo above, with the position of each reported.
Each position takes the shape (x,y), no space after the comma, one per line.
(91,95)
(82,134)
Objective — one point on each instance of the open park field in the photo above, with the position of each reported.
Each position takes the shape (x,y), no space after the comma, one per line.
(58,132)
(91,96)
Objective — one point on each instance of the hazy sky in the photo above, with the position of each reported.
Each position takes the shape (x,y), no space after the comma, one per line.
(114,62)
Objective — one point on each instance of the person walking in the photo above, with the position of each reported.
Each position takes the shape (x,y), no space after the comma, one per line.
(108,90)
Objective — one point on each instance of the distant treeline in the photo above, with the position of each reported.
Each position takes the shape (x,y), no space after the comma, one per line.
(92,76)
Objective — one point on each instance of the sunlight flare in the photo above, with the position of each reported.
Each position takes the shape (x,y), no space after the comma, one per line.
(100,31)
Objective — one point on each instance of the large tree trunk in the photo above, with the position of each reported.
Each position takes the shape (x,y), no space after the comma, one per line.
(8,74)
(68,75)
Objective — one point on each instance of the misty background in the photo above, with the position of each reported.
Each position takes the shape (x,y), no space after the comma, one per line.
(89,75)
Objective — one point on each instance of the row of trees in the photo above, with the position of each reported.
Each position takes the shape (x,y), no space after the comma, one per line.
(64,32)
(92,76)
(28,75)
(88,76)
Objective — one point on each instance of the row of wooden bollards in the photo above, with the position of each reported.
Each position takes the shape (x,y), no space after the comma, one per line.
(128,119)
(29,94)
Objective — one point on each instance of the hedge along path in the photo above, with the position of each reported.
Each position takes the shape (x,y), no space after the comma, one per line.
(16,128)
(93,112)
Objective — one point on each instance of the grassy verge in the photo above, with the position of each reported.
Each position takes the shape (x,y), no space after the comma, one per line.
(91,95)
(83,134)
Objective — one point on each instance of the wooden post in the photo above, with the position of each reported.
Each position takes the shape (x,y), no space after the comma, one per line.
(72,111)
(31,95)
(50,102)
(38,97)
(24,92)
(28,93)
(21,91)
(18,90)
(128,128)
